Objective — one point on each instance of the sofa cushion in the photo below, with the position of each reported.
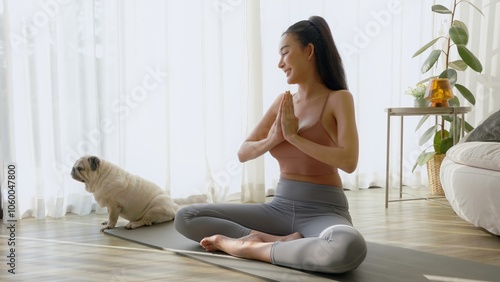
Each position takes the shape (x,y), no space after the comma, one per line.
(488,130)
(477,154)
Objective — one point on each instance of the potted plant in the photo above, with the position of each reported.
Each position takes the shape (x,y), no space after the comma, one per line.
(417,92)
(455,40)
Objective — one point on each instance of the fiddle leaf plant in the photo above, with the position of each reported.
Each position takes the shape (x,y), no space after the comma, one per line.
(455,40)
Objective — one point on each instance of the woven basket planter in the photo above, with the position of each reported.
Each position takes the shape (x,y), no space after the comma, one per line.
(433,167)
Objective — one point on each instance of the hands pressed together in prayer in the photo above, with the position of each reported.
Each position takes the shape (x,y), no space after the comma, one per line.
(286,124)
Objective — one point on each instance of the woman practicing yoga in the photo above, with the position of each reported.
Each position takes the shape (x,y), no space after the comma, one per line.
(312,134)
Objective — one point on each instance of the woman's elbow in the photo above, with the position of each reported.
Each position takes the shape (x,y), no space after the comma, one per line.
(349,169)
(243,154)
(350,165)
(241,157)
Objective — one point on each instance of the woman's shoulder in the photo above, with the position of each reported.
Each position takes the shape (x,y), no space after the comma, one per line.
(340,103)
(340,96)
(341,92)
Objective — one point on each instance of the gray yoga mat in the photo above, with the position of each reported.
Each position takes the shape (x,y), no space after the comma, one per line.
(383,262)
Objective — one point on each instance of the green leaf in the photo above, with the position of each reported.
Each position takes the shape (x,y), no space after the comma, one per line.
(427,135)
(472,6)
(461,24)
(458,65)
(431,60)
(451,74)
(443,148)
(458,33)
(426,80)
(447,118)
(468,127)
(414,166)
(469,58)
(422,121)
(423,158)
(466,93)
(426,46)
(446,144)
(440,9)
(426,157)
(438,140)
(454,102)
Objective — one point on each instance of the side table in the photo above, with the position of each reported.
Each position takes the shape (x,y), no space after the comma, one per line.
(412,111)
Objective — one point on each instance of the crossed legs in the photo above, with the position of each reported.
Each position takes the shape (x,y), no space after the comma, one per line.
(327,242)
(339,248)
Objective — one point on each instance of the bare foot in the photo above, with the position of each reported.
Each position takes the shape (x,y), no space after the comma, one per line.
(264,237)
(245,247)
(211,244)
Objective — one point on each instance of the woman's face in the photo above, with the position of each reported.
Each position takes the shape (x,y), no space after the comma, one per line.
(294,59)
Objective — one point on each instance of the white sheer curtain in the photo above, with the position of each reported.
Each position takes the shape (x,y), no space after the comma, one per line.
(169,89)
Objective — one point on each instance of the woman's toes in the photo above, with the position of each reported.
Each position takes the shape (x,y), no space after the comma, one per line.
(210,243)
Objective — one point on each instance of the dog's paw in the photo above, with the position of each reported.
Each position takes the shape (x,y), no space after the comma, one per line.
(107,227)
(105,222)
(134,225)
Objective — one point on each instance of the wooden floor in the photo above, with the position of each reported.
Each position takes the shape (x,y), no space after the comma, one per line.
(73,249)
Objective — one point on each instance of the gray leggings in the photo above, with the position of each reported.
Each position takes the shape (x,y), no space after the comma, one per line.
(320,213)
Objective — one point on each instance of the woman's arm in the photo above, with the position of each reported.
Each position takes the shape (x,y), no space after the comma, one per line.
(265,135)
(345,156)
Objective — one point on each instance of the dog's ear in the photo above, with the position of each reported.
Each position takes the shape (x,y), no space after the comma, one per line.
(94,163)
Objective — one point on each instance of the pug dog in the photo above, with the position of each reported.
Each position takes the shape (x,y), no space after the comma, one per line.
(136,199)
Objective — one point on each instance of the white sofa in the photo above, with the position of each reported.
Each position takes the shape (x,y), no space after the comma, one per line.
(470,176)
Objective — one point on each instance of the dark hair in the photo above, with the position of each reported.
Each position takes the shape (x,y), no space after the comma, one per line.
(329,64)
